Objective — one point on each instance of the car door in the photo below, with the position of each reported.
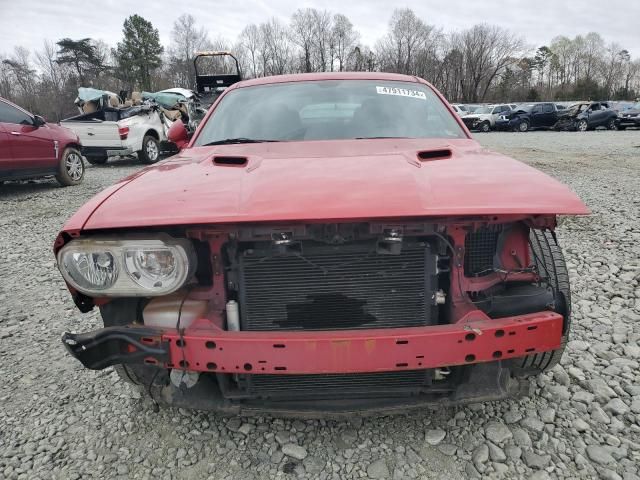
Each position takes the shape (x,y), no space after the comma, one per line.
(32,146)
(537,116)
(5,151)
(597,115)
(549,116)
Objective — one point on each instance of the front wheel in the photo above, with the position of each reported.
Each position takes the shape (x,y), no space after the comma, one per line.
(611,124)
(582,126)
(70,168)
(523,126)
(150,152)
(552,269)
(485,127)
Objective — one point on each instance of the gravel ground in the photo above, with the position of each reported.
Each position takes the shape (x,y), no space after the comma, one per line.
(60,421)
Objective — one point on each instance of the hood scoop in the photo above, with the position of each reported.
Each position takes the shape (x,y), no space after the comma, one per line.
(443,153)
(438,154)
(227,161)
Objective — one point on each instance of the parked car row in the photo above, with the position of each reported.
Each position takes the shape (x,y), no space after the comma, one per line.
(580,116)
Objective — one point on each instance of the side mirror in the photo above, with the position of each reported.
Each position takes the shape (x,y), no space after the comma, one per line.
(38,121)
(178,134)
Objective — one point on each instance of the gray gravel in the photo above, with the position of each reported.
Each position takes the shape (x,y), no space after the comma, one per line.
(60,421)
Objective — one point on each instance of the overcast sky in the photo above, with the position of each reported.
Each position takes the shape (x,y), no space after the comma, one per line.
(30,22)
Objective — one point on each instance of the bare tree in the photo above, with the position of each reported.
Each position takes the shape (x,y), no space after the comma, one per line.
(408,35)
(23,74)
(487,51)
(277,59)
(302,35)
(321,38)
(251,50)
(344,38)
(186,39)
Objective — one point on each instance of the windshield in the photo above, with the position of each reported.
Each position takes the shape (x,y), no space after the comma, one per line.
(330,110)
(525,107)
(482,110)
(577,108)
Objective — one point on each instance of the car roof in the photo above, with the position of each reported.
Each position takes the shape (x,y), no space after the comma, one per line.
(306,77)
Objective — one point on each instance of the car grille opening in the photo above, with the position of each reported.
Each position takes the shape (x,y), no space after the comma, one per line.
(328,287)
(340,385)
(480,248)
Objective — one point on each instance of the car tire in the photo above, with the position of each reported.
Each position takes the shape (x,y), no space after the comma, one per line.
(523,126)
(485,127)
(101,160)
(150,152)
(611,124)
(550,264)
(582,125)
(70,168)
(621,127)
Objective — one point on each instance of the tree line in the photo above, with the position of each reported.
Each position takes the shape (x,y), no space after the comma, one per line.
(483,63)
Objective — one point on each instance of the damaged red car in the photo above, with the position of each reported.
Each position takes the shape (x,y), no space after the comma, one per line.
(324,243)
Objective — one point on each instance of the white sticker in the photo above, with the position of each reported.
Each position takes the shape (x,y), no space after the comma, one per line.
(403,92)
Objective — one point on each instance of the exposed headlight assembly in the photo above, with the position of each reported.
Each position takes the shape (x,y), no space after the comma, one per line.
(132,267)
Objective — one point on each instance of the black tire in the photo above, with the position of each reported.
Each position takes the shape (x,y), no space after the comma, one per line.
(150,152)
(582,125)
(70,168)
(621,127)
(523,126)
(123,311)
(611,124)
(101,160)
(551,266)
(485,127)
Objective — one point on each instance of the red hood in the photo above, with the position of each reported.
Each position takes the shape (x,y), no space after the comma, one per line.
(331,180)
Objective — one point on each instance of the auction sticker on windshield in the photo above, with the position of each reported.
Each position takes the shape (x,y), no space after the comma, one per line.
(403,92)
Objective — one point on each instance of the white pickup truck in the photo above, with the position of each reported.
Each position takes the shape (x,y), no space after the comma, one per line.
(117,132)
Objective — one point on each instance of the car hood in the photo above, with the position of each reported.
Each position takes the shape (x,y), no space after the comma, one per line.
(62,132)
(478,116)
(328,180)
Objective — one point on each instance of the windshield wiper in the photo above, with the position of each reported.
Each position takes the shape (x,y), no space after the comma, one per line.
(230,141)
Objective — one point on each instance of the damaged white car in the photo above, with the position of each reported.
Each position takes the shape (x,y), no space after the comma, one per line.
(110,127)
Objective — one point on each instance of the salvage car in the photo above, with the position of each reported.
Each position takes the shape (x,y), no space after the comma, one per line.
(525,117)
(587,116)
(629,117)
(30,148)
(324,244)
(484,118)
(114,130)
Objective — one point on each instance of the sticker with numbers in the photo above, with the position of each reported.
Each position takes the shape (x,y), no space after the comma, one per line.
(403,92)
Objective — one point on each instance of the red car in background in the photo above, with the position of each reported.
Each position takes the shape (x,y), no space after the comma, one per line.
(31,148)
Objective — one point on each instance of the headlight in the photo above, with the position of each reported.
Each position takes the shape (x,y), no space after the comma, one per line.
(134,267)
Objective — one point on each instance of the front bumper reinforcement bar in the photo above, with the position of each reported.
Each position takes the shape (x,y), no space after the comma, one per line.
(314,352)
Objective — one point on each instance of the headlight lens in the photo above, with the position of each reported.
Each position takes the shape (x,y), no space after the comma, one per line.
(91,270)
(151,268)
(132,267)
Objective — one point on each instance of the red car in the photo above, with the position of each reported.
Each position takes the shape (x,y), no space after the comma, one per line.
(32,148)
(324,243)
